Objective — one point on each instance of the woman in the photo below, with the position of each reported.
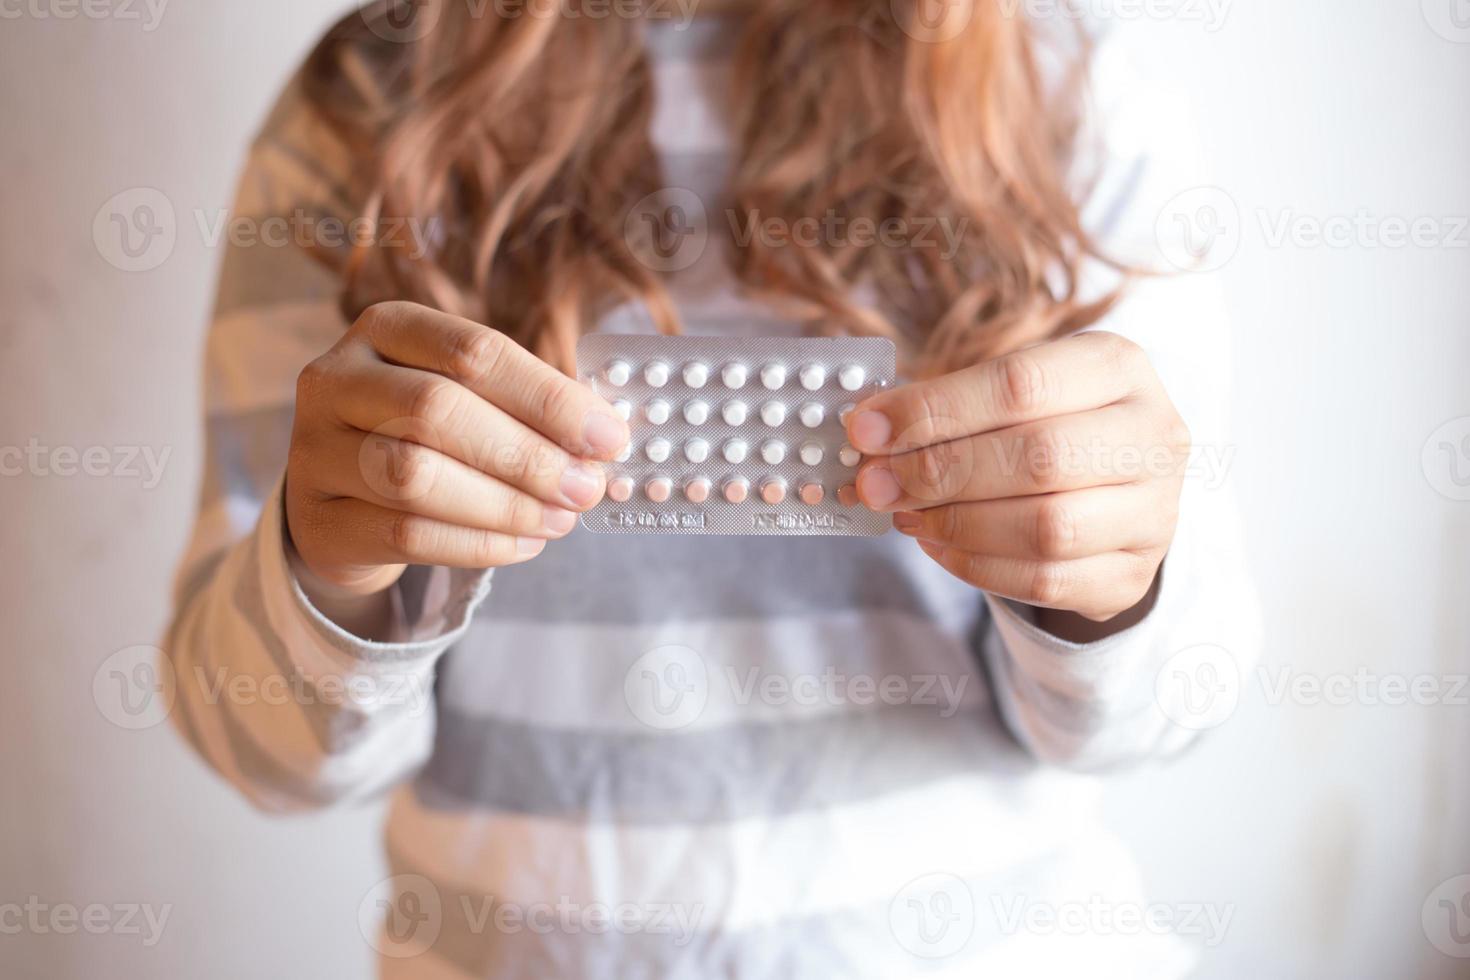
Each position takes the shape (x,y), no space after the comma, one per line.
(883,775)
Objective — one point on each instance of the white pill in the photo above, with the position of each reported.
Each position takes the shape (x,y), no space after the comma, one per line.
(696,412)
(845,412)
(625,455)
(813,376)
(773,376)
(696,450)
(696,373)
(734,412)
(735,450)
(623,408)
(618,373)
(656,374)
(734,375)
(812,415)
(773,451)
(851,377)
(849,456)
(657,411)
(811,453)
(657,450)
(773,413)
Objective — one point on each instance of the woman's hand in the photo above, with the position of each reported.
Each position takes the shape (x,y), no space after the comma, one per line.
(422,438)
(1051,476)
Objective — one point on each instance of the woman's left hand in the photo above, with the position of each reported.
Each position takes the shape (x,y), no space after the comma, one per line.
(1051,475)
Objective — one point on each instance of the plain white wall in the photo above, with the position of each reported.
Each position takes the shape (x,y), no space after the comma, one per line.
(1322,829)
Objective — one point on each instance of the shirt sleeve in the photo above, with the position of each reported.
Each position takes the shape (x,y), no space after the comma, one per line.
(1129,697)
(291,709)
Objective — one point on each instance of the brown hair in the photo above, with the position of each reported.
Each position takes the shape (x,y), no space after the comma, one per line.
(524,139)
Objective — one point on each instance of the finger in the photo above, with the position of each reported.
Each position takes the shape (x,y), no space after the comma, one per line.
(413,478)
(1052,527)
(1110,446)
(415,405)
(1099,587)
(499,370)
(366,535)
(1081,372)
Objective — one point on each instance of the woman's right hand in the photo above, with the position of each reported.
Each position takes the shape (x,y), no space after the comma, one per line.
(425,439)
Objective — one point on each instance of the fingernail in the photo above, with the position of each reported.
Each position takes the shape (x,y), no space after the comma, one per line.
(557,520)
(604,433)
(878,487)
(529,547)
(870,431)
(907,521)
(581,485)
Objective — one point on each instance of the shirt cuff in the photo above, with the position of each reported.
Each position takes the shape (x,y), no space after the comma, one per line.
(431,607)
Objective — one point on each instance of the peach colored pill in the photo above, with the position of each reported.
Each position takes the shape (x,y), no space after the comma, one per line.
(619,489)
(658,489)
(812,494)
(696,491)
(847,495)
(736,490)
(773,490)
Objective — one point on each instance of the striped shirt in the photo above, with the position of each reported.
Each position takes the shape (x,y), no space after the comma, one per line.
(696,757)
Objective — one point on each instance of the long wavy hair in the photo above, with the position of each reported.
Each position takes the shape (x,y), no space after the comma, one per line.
(524,138)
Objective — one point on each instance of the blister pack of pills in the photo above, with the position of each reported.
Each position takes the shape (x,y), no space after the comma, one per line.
(735,436)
